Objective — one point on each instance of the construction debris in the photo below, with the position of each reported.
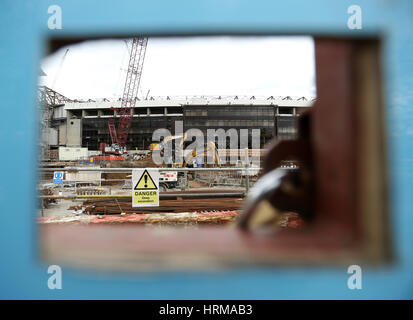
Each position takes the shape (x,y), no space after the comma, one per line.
(49,200)
(90,191)
(183,218)
(288,220)
(124,205)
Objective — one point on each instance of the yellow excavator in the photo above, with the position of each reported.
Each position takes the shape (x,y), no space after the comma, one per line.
(189,160)
(161,145)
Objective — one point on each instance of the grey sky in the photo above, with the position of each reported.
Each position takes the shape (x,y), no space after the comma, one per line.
(260,66)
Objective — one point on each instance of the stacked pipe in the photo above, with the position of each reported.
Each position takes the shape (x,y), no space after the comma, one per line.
(124,205)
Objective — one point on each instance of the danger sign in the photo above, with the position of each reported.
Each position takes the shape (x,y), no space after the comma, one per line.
(145,188)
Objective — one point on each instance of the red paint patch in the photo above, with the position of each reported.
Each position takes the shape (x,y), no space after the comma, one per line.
(118,219)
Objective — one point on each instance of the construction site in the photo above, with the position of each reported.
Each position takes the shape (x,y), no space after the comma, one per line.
(141,181)
(90,148)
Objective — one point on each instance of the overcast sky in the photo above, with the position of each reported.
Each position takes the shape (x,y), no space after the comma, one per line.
(260,66)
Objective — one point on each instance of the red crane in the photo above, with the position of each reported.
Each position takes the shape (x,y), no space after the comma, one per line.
(130,92)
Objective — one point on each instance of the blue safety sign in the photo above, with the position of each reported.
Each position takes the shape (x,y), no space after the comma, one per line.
(58,177)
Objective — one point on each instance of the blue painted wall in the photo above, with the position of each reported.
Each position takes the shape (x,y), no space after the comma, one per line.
(23,31)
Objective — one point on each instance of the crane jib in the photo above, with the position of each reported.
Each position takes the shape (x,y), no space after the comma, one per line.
(129,97)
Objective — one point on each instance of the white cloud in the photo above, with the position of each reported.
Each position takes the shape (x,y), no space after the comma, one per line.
(189,66)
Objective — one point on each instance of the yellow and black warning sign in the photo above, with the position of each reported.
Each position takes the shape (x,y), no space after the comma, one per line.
(145,188)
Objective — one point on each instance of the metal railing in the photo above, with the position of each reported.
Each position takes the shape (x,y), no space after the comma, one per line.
(227,176)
